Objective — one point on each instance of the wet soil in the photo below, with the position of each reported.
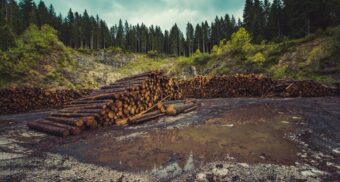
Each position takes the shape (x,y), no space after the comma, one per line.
(224,139)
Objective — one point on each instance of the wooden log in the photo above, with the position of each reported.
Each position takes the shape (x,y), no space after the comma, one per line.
(90,122)
(145,117)
(74,115)
(90,111)
(73,130)
(53,130)
(91,101)
(69,121)
(175,109)
(191,109)
(122,122)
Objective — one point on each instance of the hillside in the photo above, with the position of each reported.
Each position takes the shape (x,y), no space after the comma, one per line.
(312,58)
(45,62)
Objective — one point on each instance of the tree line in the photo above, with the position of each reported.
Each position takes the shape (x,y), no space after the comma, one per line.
(263,19)
(289,18)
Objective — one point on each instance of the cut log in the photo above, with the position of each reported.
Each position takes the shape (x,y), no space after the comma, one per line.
(73,129)
(175,109)
(69,121)
(73,115)
(53,130)
(122,122)
(145,117)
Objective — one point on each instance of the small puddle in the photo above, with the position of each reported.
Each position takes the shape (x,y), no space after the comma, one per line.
(251,134)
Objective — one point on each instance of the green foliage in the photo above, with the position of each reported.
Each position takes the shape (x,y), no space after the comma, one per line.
(39,40)
(201,59)
(153,54)
(241,41)
(7,38)
(279,71)
(37,53)
(258,58)
(336,44)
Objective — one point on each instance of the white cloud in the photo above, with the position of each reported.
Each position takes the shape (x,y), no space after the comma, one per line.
(167,18)
(163,13)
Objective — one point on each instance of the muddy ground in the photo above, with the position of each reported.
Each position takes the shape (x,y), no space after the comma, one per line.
(223,140)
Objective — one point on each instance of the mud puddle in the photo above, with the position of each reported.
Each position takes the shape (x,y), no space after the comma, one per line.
(252,134)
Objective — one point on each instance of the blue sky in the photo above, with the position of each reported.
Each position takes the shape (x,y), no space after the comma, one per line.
(164,13)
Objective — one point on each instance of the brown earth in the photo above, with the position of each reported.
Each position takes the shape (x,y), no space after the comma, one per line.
(225,139)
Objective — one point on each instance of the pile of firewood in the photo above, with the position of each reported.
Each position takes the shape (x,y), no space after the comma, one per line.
(16,100)
(251,86)
(127,101)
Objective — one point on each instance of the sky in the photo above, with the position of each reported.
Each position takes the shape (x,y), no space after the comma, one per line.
(164,13)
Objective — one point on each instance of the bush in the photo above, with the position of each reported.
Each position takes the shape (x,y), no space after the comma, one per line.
(279,72)
(34,50)
(241,41)
(258,58)
(153,54)
(202,59)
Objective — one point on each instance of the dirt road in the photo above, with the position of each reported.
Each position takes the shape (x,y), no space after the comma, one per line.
(224,140)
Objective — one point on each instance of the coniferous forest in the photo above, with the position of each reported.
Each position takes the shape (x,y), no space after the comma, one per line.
(263,19)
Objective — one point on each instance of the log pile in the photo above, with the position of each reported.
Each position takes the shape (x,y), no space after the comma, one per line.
(127,101)
(225,86)
(251,86)
(17,100)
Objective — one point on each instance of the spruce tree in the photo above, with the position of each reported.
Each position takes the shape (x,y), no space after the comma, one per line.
(190,38)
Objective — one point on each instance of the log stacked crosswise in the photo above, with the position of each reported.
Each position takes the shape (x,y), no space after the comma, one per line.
(251,86)
(114,104)
(17,100)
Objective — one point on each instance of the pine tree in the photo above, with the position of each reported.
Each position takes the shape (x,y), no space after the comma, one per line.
(120,35)
(190,38)
(7,38)
(258,21)
(275,20)
(248,15)
(175,40)
(198,38)
(3,11)
(42,14)
(166,42)
(28,15)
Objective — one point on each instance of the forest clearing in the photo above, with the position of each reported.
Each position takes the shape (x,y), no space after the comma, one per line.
(194,91)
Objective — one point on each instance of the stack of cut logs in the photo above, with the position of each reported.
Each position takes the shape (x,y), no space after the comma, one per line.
(225,86)
(251,86)
(127,101)
(16,100)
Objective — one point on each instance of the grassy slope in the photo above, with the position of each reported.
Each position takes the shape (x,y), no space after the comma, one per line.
(56,66)
(310,58)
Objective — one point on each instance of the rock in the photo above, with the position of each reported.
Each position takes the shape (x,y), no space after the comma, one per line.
(201,177)
(219,166)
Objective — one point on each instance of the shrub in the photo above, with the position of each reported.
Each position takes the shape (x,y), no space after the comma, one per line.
(278,71)
(153,54)
(241,41)
(33,50)
(202,59)
(258,58)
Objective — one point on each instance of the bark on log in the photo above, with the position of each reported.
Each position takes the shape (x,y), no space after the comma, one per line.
(146,117)
(69,121)
(175,109)
(53,130)
(73,129)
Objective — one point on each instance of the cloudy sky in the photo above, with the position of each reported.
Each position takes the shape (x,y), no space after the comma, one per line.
(157,12)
